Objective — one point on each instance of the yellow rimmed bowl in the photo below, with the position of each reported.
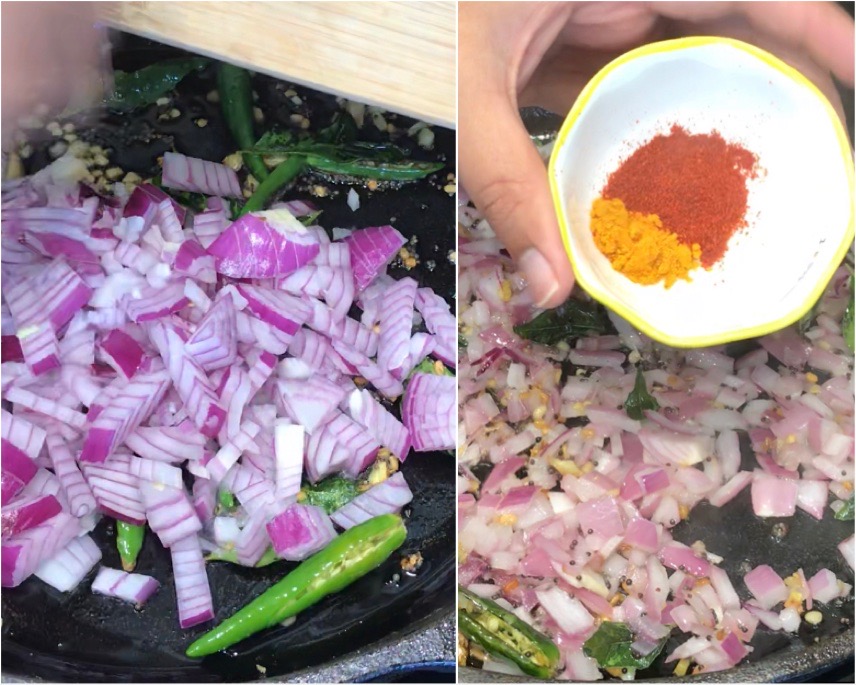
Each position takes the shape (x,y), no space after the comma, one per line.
(800,209)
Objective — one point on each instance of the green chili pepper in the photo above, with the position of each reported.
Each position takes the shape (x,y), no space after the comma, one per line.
(503,634)
(348,557)
(229,555)
(144,86)
(284,173)
(129,541)
(640,399)
(236,101)
(226,499)
(408,170)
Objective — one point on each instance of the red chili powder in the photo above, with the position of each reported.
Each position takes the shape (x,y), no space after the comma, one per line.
(695,183)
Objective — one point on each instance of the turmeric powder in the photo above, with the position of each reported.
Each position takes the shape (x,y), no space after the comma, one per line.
(639,246)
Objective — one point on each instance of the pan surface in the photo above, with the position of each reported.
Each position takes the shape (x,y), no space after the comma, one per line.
(745,541)
(80,636)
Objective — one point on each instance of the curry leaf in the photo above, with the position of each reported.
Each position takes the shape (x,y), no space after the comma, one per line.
(407,170)
(639,398)
(573,319)
(330,494)
(846,513)
(611,647)
(342,129)
(274,142)
(135,89)
(334,152)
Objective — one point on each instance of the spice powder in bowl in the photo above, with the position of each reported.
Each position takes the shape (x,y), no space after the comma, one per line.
(673,205)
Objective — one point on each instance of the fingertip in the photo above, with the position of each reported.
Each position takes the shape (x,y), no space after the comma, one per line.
(548,286)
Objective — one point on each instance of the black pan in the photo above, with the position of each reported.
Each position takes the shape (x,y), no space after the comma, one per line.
(820,654)
(745,541)
(82,637)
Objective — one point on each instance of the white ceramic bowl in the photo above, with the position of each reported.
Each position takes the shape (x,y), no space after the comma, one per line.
(800,210)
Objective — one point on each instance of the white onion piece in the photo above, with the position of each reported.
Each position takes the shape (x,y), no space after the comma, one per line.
(192,590)
(24,435)
(65,570)
(169,512)
(387,497)
(289,441)
(134,588)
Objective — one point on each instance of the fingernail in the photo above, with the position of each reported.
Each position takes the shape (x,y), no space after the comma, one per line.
(539,276)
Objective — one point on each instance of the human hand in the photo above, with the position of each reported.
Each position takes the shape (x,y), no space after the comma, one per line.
(52,53)
(543,53)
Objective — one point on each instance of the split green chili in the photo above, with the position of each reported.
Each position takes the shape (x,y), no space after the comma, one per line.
(347,558)
(503,634)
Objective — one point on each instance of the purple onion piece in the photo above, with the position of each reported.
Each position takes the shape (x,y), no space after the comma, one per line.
(299,531)
(428,410)
(387,497)
(310,402)
(192,591)
(380,424)
(169,512)
(263,245)
(21,516)
(134,588)
(371,250)
(199,176)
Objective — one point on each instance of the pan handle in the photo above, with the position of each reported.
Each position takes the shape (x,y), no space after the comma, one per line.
(414,672)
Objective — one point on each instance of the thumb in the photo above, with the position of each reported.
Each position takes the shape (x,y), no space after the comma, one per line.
(506,178)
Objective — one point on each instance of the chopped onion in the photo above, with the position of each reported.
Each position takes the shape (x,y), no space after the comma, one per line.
(192,591)
(289,441)
(144,342)
(380,424)
(134,588)
(310,402)
(66,569)
(263,245)
(169,512)
(199,176)
(766,586)
(299,531)
(428,412)
(387,497)
(23,515)
(371,250)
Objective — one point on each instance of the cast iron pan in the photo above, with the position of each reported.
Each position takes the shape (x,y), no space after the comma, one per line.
(786,544)
(745,541)
(83,637)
